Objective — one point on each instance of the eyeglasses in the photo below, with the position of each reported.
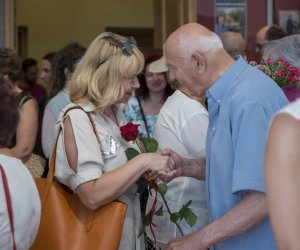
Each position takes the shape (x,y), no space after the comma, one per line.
(127,46)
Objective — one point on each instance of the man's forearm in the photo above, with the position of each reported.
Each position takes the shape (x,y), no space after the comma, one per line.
(192,168)
(245,215)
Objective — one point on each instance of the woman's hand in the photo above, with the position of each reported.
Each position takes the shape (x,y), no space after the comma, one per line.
(159,163)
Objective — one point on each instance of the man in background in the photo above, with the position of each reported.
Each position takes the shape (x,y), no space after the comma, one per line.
(268,33)
(234,43)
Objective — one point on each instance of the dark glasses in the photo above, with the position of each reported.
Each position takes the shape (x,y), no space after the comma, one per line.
(127,46)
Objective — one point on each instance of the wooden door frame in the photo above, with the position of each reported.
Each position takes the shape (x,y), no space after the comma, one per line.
(8,24)
(170,15)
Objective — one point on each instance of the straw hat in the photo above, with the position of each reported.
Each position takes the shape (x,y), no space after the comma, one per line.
(158,66)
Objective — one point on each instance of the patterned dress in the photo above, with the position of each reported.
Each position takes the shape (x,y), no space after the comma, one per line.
(133,114)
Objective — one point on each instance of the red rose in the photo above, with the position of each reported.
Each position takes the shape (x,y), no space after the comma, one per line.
(129,131)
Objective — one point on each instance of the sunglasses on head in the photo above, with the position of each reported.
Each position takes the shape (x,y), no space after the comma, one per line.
(127,46)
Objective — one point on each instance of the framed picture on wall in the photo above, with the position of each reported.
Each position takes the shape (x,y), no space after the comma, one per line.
(230,15)
(289,20)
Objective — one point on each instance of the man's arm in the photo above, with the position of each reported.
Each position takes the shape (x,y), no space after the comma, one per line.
(250,211)
(183,167)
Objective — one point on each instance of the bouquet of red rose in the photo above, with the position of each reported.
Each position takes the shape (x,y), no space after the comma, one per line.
(281,72)
(149,145)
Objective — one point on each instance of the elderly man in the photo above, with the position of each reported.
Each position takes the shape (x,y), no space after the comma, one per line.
(241,103)
(234,43)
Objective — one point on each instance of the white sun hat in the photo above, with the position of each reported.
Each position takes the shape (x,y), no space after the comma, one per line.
(158,66)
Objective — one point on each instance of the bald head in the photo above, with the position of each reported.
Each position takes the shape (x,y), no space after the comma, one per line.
(268,33)
(193,37)
(233,43)
(195,57)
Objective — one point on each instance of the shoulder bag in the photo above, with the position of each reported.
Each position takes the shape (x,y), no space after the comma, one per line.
(67,224)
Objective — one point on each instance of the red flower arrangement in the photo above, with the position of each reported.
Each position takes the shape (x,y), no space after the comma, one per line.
(149,145)
(281,72)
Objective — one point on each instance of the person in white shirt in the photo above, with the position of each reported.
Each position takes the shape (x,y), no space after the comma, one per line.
(181,126)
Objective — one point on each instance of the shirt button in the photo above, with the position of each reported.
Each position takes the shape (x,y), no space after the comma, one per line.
(219,101)
(213,128)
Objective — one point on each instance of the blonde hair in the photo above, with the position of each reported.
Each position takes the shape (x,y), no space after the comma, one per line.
(100,73)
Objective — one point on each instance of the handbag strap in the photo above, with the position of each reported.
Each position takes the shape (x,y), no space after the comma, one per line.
(51,171)
(143,115)
(9,205)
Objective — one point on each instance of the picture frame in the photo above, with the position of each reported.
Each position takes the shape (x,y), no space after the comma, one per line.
(231,15)
(289,20)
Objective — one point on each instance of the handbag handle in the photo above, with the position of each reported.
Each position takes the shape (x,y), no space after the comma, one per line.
(143,116)
(51,171)
(9,205)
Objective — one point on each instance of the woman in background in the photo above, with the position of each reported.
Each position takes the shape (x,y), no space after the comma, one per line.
(46,71)
(144,107)
(24,139)
(63,67)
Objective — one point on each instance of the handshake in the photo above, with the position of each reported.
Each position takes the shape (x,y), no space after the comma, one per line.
(168,165)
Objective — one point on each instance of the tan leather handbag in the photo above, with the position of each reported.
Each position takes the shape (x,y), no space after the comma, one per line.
(66,224)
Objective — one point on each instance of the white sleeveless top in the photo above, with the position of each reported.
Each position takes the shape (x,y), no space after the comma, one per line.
(292,109)
(95,160)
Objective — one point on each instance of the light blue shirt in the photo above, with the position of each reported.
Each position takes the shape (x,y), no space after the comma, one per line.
(51,114)
(58,103)
(240,104)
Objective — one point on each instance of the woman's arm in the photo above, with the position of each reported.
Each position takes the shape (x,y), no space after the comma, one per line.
(26,130)
(282,174)
(112,184)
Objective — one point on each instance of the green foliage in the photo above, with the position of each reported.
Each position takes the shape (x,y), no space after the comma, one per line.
(184,213)
(159,212)
(174,217)
(187,214)
(150,144)
(162,188)
(131,153)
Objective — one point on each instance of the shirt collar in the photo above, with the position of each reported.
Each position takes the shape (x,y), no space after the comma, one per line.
(218,90)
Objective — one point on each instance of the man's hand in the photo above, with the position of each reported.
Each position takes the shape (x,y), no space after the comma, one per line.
(190,241)
(177,171)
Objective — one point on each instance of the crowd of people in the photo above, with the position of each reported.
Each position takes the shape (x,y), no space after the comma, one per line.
(228,138)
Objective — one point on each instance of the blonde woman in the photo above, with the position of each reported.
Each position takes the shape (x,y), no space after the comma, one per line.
(105,77)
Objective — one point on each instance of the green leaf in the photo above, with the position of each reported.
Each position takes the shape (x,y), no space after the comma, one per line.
(174,217)
(141,232)
(162,188)
(159,212)
(189,217)
(187,204)
(131,153)
(150,144)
